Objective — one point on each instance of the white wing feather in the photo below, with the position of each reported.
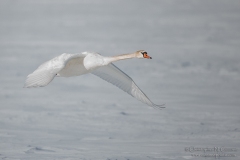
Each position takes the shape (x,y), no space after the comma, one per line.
(114,75)
(46,72)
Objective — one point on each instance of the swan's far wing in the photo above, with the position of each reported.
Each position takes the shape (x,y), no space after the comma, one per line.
(46,72)
(39,78)
(114,75)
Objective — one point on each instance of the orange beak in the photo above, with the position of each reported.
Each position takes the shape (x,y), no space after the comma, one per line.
(146,56)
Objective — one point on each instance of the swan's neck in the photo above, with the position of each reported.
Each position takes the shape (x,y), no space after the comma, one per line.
(119,57)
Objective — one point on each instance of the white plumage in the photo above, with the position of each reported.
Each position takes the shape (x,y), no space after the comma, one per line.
(67,65)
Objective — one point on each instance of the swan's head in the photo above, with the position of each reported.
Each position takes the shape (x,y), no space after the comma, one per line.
(142,54)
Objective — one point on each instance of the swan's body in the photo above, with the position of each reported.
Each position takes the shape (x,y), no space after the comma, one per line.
(68,65)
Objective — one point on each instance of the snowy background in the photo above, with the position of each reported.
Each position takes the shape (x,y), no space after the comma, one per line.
(195,71)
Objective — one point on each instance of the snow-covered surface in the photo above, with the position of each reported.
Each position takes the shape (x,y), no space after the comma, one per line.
(195,70)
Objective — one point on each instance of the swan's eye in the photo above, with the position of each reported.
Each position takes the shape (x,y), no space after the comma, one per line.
(145,55)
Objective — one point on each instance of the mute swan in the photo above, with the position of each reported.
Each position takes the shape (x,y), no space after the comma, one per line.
(67,65)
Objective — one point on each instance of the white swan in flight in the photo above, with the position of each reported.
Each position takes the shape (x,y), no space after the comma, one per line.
(67,65)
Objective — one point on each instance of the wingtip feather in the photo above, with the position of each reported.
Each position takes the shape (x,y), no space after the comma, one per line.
(159,106)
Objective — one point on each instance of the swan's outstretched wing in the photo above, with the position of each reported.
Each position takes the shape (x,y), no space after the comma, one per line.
(46,72)
(114,75)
